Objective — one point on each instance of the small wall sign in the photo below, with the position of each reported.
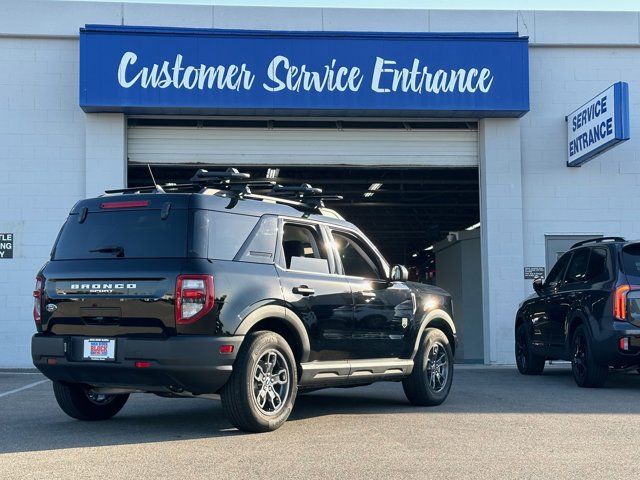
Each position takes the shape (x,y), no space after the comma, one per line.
(598,125)
(6,245)
(532,272)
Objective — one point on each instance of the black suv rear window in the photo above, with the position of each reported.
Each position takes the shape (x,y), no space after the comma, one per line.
(126,234)
(631,260)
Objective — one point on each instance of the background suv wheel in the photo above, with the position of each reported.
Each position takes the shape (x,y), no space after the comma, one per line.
(586,371)
(528,362)
(262,389)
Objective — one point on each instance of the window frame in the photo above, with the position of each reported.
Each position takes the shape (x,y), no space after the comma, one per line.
(560,282)
(280,260)
(586,267)
(381,264)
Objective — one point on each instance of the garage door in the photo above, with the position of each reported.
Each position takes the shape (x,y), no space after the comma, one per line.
(437,147)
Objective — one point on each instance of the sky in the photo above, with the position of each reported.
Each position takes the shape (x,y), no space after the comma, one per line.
(615,5)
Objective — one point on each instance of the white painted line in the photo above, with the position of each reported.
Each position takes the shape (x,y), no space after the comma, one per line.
(31,385)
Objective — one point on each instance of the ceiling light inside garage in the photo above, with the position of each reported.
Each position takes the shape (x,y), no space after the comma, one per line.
(273,172)
(368,194)
(375,186)
(473,227)
(428,248)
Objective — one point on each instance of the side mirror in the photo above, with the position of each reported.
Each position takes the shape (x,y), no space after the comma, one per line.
(537,284)
(399,273)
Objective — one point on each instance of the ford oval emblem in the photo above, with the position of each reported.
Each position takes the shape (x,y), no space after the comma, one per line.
(51,307)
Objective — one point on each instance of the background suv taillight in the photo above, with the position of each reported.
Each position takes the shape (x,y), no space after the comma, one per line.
(194,298)
(37,300)
(620,302)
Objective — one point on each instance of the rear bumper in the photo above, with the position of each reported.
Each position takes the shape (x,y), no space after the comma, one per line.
(186,363)
(607,348)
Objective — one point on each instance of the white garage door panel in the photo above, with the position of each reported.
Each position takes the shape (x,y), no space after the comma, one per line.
(190,145)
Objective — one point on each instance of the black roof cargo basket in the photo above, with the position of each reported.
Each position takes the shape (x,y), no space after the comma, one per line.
(231,179)
(598,240)
(306,194)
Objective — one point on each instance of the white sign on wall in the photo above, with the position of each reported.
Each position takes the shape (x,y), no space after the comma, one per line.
(598,125)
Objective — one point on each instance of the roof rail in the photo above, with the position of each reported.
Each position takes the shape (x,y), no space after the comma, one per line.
(307,195)
(598,240)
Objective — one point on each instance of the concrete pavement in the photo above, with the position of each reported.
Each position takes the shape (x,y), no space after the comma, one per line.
(495,424)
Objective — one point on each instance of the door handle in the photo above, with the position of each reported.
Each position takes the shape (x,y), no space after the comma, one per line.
(303,290)
(368,294)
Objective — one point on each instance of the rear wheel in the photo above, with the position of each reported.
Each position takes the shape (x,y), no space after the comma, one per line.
(261,391)
(586,371)
(528,362)
(432,375)
(82,403)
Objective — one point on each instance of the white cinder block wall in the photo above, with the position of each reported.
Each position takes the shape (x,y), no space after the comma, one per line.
(41,171)
(52,154)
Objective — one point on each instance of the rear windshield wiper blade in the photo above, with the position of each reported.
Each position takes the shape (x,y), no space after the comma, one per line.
(118,250)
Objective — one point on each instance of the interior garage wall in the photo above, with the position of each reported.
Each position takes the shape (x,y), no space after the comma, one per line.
(42,171)
(601,197)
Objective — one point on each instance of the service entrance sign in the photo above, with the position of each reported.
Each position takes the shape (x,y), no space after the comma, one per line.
(598,125)
(6,245)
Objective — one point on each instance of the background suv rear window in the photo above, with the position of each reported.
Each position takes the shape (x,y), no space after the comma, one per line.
(136,233)
(631,260)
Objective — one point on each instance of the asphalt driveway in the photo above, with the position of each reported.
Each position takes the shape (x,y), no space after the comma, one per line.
(495,424)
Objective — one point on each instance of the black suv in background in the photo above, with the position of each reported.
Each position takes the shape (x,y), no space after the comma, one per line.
(202,288)
(586,311)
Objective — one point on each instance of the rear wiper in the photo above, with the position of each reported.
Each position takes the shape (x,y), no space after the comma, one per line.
(118,250)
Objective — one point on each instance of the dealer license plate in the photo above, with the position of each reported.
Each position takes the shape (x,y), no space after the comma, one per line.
(99,349)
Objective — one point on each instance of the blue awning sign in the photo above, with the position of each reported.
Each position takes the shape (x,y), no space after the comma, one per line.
(148,69)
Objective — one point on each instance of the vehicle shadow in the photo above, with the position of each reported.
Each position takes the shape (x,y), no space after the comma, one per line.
(34,422)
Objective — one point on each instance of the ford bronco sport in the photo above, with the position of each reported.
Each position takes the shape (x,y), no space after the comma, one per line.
(204,288)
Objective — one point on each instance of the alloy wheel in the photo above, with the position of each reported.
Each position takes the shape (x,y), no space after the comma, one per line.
(271,382)
(580,355)
(437,367)
(522,350)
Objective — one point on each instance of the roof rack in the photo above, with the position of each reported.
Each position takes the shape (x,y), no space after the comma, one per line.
(231,179)
(236,184)
(598,240)
(307,195)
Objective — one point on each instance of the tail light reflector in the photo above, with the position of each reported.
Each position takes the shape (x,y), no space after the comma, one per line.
(37,300)
(194,298)
(226,349)
(623,343)
(620,302)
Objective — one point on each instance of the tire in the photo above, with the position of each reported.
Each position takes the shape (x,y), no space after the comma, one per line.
(78,402)
(528,362)
(587,372)
(428,386)
(250,396)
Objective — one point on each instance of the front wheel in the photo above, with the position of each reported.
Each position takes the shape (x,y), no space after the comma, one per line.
(527,361)
(586,371)
(432,375)
(82,403)
(259,395)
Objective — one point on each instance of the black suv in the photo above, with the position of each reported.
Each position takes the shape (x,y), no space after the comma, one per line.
(586,311)
(203,288)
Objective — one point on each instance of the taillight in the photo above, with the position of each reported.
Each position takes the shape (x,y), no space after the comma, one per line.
(620,302)
(127,204)
(37,300)
(194,298)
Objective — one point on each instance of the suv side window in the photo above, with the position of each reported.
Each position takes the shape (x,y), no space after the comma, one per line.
(577,271)
(303,249)
(356,258)
(597,270)
(557,272)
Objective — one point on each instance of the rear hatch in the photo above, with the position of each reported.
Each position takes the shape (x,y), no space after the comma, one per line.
(630,258)
(114,266)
